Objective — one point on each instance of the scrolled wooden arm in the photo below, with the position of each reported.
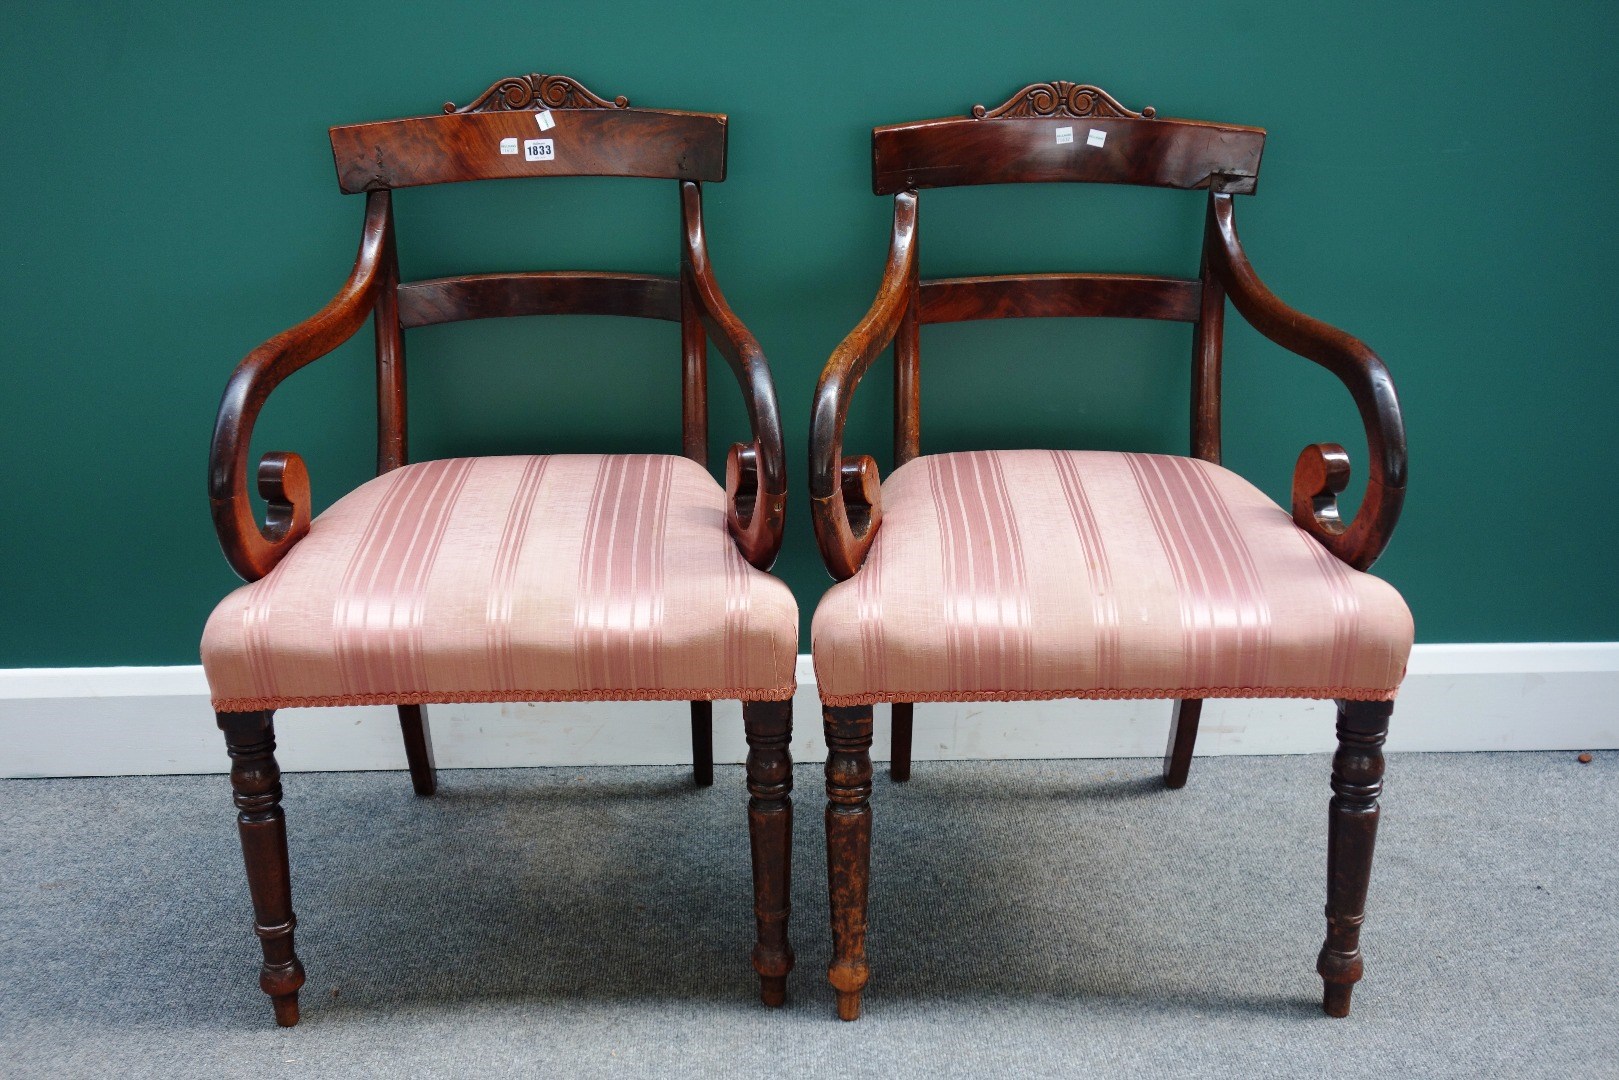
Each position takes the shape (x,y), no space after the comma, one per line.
(844,492)
(251,549)
(1322,470)
(756,472)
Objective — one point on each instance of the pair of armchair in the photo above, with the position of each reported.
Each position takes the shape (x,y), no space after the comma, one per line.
(1006,575)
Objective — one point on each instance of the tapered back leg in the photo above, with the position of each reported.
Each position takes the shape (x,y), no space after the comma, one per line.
(1182,740)
(418,748)
(899,764)
(702,742)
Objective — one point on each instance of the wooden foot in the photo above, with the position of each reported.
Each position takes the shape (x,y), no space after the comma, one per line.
(418,748)
(899,765)
(848,848)
(286,1009)
(1357,781)
(769,729)
(1182,738)
(256,784)
(702,742)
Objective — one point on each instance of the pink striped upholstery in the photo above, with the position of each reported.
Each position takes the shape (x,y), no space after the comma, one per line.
(560,578)
(1024,574)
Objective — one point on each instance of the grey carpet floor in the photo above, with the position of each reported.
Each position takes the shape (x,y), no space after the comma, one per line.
(1028,919)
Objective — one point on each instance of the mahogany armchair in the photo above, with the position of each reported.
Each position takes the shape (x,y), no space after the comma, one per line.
(1020,575)
(529,578)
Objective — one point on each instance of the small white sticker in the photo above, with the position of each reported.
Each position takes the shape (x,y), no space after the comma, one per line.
(508,146)
(539,150)
(1065,135)
(545,120)
(1096,138)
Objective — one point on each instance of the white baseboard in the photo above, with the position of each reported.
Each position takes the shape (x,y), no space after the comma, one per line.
(136,720)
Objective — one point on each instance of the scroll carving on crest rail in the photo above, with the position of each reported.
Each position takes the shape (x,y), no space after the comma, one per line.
(525,92)
(1062,99)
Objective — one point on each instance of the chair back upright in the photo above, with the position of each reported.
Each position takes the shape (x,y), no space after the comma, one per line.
(1063,132)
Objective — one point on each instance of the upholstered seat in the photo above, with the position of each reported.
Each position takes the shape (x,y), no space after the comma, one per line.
(555,578)
(1045,574)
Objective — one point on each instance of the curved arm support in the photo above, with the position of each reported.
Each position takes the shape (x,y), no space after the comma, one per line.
(1322,470)
(251,549)
(844,492)
(756,472)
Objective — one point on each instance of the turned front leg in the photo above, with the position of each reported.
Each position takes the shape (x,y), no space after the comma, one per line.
(256,783)
(769,728)
(1357,781)
(848,849)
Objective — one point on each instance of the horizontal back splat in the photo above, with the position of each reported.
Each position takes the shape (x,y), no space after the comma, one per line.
(1031,138)
(527,126)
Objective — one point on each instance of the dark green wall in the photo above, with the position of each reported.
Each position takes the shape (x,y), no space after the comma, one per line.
(1439,180)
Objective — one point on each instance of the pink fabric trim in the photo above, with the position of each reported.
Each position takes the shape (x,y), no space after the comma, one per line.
(257,618)
(468,697)
(736,616)
(1223,609)
(618,618)
(1104,596)
(503,587)
(377,618)
(1354,693)
(868,605)
(1345,607)
(986,592)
